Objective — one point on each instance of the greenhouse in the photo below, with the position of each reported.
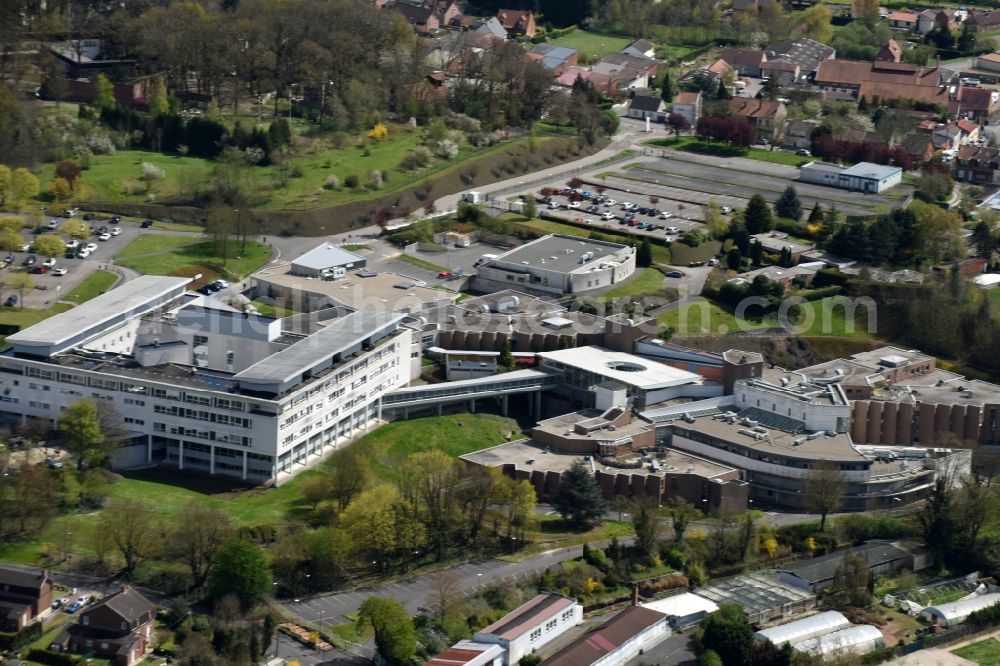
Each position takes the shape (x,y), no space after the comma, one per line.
(955,613)
(857,640)
(804,629)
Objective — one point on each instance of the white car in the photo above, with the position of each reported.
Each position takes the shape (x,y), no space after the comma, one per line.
(222,284)
(53,224)
(49,263)
(72,244)
(115,231)
(726,210)
(574,205)
(90,247)
(553,205)
(665,215)
(672,230)
(104,237)
(607,215)
(26,247)
(610,202)
(83,254)
(59,272)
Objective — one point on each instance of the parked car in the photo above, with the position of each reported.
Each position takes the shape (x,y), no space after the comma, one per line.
(726,210)
(53,224)
(675,274)
(607,215)
(26,247)
(11,301)
(9,258)
(665,215)
(72,244)
(672,230)
(88,217)
(695,264)
(610,202)
(444,275)
(221,284)
(553,205)
(83,254)
(90,247)
(49,263)
(116,218)
(39,270)
(713,262)
(574,204)
(29,260)
(146,224)
(74,607)
(104,237)
(115,231)
(59,272)
(803,152)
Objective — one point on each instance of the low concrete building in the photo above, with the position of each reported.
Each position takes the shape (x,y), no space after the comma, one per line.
(327,260)
(683,609)
(862,177)
(460,364)
(532,625)
(616,641)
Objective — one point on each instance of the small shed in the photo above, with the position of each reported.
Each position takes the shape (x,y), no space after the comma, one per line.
(325,260)
(956,612)
(804,629)
(856,640)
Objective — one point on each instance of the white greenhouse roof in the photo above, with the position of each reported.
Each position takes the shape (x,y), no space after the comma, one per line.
(682,605)
(804,629)
(845,640)
(963,607)
(987,279)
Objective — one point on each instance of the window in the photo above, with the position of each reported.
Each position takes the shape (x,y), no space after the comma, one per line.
(129,419)
(536,634)
(133,401)
(569,613)
(551,624)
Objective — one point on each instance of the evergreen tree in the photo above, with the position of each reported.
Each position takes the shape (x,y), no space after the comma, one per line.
(983,240)
(817,214)
(757,253)
(758,216)
(105,93)
(158,102)
(241,569)
(530,206)
(579,499)
(506,360)
(644,255)
(788,204)
(785,260)
(771,89)
(667,91)
(723,91)
(734,259)
(727,632)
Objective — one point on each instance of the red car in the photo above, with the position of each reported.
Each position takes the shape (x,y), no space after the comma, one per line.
(444,275)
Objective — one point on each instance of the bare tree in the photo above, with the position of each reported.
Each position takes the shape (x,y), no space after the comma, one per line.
(350,474)
(824,487)
(648,525)
(445,593)
(195,540)
(133,529)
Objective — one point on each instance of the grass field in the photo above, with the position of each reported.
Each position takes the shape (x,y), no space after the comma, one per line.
(825,317)
(92,286)
(273,310)
(984,653)
(682,255)
(159,254)
(422,263)
(591,44)
(25,317)
(693,144)
(646,281)
(117,178)
(994,295)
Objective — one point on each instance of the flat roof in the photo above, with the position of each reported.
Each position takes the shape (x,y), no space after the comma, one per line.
(603,430)
(777,240)
(628,369)
(326,255)
(98,311)
(682,605)
(337,336)
(561,253)
(871,170)
(817,165)
(755,592)
(671,461)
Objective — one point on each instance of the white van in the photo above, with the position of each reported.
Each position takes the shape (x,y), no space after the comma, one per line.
(485,259)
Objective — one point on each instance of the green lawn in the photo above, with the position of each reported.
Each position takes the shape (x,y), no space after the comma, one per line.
(117,178)
(646,281)
(92,286)
(682,255)
(984,653)
(273,310)
(416,261)
(25,317)
(994,295)
(591,44)
(160,254)
(693,144)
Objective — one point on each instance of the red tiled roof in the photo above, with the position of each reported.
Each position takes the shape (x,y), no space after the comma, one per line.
(903,16)
(967,125)
(607,638)
(528,615)
(686,98)
(754,108)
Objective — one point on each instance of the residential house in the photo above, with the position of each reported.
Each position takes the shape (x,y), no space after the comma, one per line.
(720,69)
(903,20)
(532,624)
(688,104)
(616,641)
(804,52)
(554,58)
(520,22)
(970,267)
(979,104)
(632,71)
(744,62)
(917,145)
(641,48)
(24,595)
(448,12)
(879,81)
(978,164)
(82,58)
(469,653)
(788,73)
(946,137)
(970,131)
(798,134)
(936,19)
(491,30)
(118,628)
(647,106)
(423,19)
(890,52)
(983,21)
(767,116)
(988,61)
(779,274)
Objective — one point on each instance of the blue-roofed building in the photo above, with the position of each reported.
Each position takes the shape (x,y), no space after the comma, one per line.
(554,58)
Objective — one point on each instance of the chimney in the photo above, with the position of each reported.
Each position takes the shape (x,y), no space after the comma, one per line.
(45,574)
(635,595)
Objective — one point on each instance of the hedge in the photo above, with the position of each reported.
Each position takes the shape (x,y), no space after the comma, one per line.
(15,640)
(54,658)
(820,294)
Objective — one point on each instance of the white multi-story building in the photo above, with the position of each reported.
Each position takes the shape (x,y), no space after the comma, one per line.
(205,387)
(531,625)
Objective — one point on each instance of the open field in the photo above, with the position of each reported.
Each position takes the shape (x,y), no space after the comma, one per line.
(984,653)
(825,317)
(591,44)
(177,255)
(25,317)
(92,286)
(646,281)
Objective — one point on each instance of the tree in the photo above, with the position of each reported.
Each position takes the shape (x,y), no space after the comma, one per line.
(678,123)
(105,99)
(681,514)
(10,240)
(772,88)
(49,246)
(395,636)
(530,207)
(75,229)
(722,92)
(579,498)
(68,170)
(715,223)
(644,254)
(80,430)
(24,186)
(815,23)
(727,633)
(133,528)
(199,535)
(983,240)
(867,12)
(350,472)
(853,582)
(506,359)
(788,204)
(757,216)
(647,524)
(936,520)
(240,569)
(823,487)
(667,91)
(54,85)
(59,190)
(315,489)
(158,102)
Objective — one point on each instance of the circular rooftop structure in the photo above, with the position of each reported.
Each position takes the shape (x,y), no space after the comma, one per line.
(626,366)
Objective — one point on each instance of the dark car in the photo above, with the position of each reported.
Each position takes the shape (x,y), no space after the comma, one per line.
(29,260)
(146,224)
(88,217)
(9,258)
(205,291)
(38,270)
(102,230)
(675,274)
(116,218)
(11,301)
(168,220)
(694,264)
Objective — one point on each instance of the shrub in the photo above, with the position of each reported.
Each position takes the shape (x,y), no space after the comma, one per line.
(352,181)
(54,658)
(152,172)
(375,180)
(331,182)
(417,158)
(297,171)
(448,149)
